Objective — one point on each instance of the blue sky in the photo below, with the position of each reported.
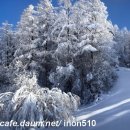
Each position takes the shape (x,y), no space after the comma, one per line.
(119,10)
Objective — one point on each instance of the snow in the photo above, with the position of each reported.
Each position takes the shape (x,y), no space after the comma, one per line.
(31,7)
(94,26)
(84,36)
(113,111)
(89,48)
(61,72)
(32,103)
(67,3)
(89,77)
(65,70)
(76,28)
(83,42)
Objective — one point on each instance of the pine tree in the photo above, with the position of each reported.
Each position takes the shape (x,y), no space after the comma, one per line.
(7,44)
(122,38)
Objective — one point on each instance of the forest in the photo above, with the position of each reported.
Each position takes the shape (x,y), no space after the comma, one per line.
(58,58)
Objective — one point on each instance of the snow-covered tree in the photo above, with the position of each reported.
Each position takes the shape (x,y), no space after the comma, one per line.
(36,45)
(26,37)
(7,44)
(46,18)
(63,35)
(69,46)
(32,103)
(90,43)
(122,37)
(101,37)
(7,50)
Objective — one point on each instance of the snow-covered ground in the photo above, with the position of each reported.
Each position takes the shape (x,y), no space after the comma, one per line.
(113,111)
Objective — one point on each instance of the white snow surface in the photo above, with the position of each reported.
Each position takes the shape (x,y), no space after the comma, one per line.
(113,111)
(89,48)
(110,113)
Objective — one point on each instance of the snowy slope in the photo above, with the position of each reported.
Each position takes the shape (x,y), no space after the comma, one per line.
(111,113)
